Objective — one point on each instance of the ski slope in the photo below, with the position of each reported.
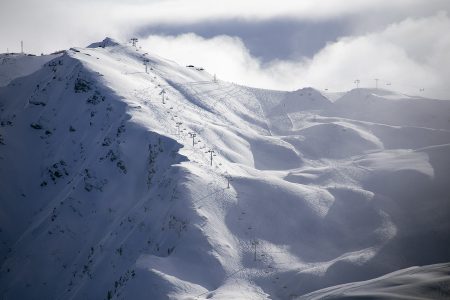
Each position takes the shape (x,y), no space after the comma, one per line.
(118,183)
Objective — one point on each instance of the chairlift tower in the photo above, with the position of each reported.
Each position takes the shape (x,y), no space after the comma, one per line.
(178,124)
(146,61)
(163,92)
(193,135)
(229,179)
(254,243)
(211,152)
(134,41)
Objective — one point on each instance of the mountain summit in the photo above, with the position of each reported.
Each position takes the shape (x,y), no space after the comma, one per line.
(126,176)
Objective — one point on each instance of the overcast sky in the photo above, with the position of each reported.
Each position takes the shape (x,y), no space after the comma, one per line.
(281,44)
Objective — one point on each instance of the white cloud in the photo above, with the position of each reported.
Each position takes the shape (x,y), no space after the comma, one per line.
(411,54)
(180,11)
(48,25)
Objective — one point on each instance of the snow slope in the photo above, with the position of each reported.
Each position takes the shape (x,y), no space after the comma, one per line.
(14,65)
(106,193)
(412,283)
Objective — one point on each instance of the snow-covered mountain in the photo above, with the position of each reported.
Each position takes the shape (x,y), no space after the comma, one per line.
(117,183)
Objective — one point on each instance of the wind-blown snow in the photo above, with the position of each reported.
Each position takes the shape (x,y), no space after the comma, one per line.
(106,195)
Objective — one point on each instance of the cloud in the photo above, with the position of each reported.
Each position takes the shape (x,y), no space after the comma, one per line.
(411,54)
(47,25)
(402,41)
(182,11)
(406,54)
(281,38)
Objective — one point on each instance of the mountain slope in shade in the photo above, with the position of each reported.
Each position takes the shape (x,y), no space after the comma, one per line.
(110,190)
(15,65)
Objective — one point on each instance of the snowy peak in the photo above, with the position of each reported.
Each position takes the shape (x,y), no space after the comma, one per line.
(305,99)
(360,93)
(107,42)
(390,108)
